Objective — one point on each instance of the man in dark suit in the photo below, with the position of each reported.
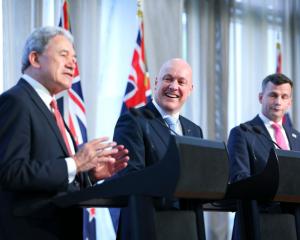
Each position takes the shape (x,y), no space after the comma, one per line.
(248,151)
(38,160)
(146,135)
(276,99)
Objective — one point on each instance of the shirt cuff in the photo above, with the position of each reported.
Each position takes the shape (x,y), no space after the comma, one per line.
(72,170)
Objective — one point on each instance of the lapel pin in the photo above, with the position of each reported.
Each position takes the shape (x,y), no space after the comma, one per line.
(294,135)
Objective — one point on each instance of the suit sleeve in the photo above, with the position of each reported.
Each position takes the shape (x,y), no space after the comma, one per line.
(239,158)
(24,167)
(128,132)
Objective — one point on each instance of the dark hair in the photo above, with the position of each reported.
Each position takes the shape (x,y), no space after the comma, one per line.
(276,79)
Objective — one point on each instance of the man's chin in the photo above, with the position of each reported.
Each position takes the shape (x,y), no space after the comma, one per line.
(170,107)
(63,87)
(67,85)
(277,117)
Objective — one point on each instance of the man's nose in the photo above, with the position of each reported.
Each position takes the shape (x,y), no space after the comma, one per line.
(71,64)
(278,100)
(173,85)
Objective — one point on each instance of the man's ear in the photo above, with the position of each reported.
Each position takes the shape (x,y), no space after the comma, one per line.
(260,96)
(191,89)
(33,58)
(291,102)
(155,83)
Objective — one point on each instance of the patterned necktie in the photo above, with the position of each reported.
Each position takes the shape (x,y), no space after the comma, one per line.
(280,140)
(171,123)
(60,124)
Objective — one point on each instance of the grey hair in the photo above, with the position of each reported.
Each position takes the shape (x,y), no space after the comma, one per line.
(38,40)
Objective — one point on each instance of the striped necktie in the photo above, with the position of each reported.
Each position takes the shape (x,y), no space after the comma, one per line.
(171,123)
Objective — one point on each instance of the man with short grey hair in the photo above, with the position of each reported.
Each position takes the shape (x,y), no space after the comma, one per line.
(38,156)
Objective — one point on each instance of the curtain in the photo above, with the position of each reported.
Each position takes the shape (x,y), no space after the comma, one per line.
(208,46)
(256,26)
(19,20)
(163,33)
(17,24)
(85,19)
(294,22)
(208,39)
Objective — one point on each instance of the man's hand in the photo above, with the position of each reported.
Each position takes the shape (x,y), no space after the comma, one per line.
(107,169)
(95,152)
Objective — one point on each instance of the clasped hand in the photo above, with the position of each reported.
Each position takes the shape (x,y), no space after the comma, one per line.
(103,158)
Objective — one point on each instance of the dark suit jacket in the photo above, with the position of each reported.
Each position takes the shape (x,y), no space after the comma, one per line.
(32,170)
(248,155)
(147,141)
(241,143)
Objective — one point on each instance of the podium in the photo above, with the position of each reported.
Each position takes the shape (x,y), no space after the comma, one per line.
(192,168)
(277,183)
(197,170)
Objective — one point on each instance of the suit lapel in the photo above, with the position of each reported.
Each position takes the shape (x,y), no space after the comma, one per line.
(160,130)
(37,101)
(186,130)
(157,124)
(259,124)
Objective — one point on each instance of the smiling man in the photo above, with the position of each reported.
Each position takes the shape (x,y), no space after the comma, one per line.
(249,151)
(38,157)
(173,86)
(146,135)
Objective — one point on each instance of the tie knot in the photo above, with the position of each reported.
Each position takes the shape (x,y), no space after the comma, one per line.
(170,121)
(53,104)
(276,126)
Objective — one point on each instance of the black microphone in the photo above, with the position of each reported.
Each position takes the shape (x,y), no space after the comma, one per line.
(257,130)
(150,115)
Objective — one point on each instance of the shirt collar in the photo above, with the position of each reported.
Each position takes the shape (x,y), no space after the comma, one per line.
(163,113)
(267,121)
(41,90)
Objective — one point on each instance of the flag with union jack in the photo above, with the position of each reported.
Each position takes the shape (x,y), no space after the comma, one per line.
(72,108)
(138,91)
(286,118)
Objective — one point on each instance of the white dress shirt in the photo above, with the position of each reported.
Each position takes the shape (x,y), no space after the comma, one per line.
(47,98)
(165,115)
(268,123)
